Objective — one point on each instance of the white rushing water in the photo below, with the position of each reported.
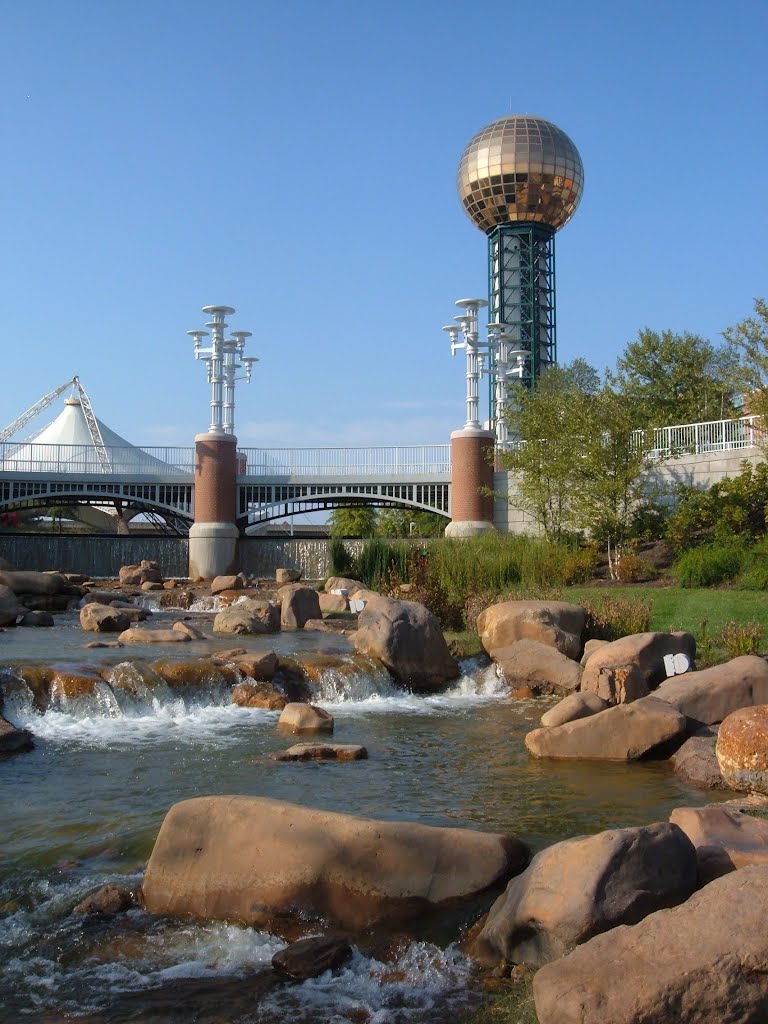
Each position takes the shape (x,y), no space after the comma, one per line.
(143,714)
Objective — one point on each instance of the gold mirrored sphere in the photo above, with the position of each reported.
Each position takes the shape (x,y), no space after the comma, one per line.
(520,170)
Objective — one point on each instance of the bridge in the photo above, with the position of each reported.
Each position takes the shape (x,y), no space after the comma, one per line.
(277,483)
(271,483)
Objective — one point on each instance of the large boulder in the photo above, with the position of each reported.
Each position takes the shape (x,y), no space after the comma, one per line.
(742,749)
(573,707)
(298,604)
(332,604)
(644,651)
(34,582)
(142,635)
(615,877)
(711,695)
(699,963)
(625,732)
(254,694)
(696,762)
(223,583)
(555,623)
(266,863)
(322,752)
(406,637)
(13,740)
(10,609)
(103,618)
(245,619)
(541,667)
(342,583)
(300,717)
(725,838)
(283,576)
(147,571)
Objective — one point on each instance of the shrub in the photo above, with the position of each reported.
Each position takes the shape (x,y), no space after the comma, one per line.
(708,565)
(610,617)
(341,561)
(633,569)
(737,638)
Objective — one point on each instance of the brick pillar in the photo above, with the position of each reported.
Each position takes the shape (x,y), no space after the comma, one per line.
(471,470)
(213,537)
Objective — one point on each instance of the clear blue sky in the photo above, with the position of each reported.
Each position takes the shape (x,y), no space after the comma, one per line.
(297,161)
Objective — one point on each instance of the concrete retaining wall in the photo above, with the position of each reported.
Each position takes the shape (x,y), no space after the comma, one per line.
(103,556)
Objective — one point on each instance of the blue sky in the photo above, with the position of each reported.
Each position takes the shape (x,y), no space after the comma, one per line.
(297,161)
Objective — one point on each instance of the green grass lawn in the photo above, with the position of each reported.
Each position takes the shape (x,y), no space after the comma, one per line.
(675,608)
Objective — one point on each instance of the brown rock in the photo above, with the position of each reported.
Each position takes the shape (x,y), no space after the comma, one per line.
(298,717)
(700,963)
(298,604)
(149,585)
(10,609)
(742,749)
(283,576)
(257,666)
(342,583)
(258,695)
(332,604)
(189,630)
(308,958)
(625,732)
(543,668)
(341,626)
(555,623)
(696,763)
(619,684)
(264,862)
(725,839)
(646,651)
(220,583)
(714,693)
(573,707)
(243,621)
(176,599)
(228,655)
(322,752)
(101,618)
(615,877)
(406,638)
(106,902)
(137,635)
(37,619)
(589,649)
(522,693)
(34,582)
(196,672)
(71,685)
(13,740)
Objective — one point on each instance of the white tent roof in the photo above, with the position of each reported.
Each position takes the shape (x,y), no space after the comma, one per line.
(44,454)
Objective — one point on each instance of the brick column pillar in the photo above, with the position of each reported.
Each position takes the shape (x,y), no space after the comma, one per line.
(213,537)
(471,470)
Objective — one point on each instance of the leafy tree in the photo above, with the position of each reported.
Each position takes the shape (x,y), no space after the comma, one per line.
(611,488)
(676,378)
(403,522)
(547,424)
(748,344)
(358,521)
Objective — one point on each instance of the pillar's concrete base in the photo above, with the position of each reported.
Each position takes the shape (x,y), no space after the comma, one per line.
(460,530)
(212,550)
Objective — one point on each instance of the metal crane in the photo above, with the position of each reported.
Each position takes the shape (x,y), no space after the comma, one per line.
(90,419)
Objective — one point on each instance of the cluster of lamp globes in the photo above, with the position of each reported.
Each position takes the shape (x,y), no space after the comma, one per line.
(224,358)
(483,357)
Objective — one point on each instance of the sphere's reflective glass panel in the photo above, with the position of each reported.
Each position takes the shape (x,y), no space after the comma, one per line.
(520,170)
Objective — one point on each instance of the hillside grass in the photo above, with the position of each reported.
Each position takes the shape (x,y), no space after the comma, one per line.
(674,608)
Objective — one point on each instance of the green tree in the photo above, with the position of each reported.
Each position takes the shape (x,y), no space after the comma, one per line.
(676,378)
(404,522)
(748,344)
(547,425)
(611,485)
(358,521)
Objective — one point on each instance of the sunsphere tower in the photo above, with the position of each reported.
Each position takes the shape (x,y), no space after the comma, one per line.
(520,180)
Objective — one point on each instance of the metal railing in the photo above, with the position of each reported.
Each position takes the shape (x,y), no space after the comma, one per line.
(413,461)
(81,459)
(701,438)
